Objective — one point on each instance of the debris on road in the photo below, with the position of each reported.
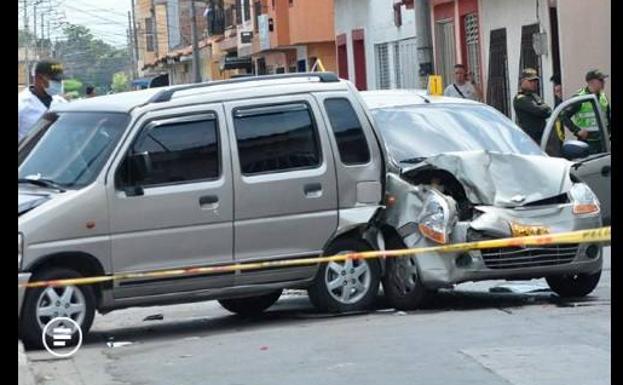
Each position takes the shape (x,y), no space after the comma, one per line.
(264,348)
(154,317)
(517,288)
(119,344)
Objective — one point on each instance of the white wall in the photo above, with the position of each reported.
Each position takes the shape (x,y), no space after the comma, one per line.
(585,36)
(512,15)
(376,18)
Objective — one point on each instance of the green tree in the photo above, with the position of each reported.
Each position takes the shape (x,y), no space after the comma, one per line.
(120,82)
(71,85)
(89,59)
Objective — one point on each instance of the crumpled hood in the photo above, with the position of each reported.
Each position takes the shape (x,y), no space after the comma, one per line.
(27,201)
(503,180)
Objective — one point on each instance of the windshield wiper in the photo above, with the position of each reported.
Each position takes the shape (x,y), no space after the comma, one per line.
(42,183)
(414,160)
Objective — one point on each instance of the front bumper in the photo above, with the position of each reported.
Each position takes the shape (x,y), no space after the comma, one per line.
(22,279)
(438,270)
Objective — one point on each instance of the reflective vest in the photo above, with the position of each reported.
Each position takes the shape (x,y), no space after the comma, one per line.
(585,118)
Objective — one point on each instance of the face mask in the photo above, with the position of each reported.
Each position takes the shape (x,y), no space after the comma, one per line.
(54,88)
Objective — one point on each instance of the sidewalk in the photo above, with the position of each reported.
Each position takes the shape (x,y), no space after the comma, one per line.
(24,374)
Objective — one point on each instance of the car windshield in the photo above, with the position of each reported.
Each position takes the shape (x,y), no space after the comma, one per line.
(72,149)
(417,132)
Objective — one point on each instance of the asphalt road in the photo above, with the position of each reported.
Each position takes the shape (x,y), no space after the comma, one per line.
(468,336)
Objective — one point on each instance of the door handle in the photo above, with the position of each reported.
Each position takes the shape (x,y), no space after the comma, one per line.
(208,202)
(605,171)
(312,190)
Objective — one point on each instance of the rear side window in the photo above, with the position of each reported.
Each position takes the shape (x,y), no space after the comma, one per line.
(178,153)
(276,138)
(351,141)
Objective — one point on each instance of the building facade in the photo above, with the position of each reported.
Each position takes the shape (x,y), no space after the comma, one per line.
(376,43)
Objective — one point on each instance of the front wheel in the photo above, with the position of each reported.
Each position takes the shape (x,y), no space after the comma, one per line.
(349,285)
(573,285)
(41,305)
(250,306)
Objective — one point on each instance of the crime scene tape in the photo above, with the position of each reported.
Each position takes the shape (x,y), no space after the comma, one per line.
(602,234)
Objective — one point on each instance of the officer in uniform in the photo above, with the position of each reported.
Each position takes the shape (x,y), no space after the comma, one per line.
(581,119)
(530,109)
(34,101)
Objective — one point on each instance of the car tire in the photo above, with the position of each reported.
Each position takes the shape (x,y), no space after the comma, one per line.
(34,318)
(573,285)
(250,306)
(359,280)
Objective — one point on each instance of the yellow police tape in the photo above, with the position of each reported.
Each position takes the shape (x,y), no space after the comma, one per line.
(583,236)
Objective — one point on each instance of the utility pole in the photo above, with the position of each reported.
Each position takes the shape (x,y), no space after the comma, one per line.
(34,26)
(424,42)
(131,46)
(193,30)
(26,44)
(136,56)
(42,32)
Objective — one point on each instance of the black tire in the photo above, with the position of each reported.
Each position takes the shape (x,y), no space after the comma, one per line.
(250,306)
(402,285)
(30,331)
(573,285)
(319,292)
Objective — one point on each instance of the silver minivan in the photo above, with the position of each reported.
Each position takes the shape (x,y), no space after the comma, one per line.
(251,169)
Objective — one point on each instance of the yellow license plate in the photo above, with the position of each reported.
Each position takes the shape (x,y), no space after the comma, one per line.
(527,230)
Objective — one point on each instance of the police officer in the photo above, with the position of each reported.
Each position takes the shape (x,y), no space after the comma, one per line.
(581,119)
(530,109)
(34,101)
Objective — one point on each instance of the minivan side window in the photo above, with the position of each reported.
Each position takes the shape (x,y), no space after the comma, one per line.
(276,138)
(351,141)
(177,153)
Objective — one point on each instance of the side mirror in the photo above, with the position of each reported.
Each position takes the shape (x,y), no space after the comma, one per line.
(574,149)
(137,168)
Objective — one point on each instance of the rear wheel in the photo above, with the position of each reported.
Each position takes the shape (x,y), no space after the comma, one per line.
(250,306)
(41,305)
(349,285)
(573,285)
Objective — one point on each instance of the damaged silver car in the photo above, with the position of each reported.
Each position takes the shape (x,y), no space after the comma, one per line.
(461,171)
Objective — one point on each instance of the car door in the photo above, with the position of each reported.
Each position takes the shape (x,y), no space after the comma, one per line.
(177,211)
(285,182)
(594,170)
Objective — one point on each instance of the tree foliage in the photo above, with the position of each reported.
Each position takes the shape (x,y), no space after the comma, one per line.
(89,59)
(120,82)
(71,85)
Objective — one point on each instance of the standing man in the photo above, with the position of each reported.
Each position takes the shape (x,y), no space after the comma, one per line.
(581,119)
(45,92)
(462,86)
(530,109)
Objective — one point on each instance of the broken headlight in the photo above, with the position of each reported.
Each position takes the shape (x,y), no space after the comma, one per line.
(437,217)
(583,199)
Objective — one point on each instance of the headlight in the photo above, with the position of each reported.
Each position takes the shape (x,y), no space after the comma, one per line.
(437,218)
(583,199)
(20,250)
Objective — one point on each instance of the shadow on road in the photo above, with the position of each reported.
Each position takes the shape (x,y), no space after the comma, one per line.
(291,308)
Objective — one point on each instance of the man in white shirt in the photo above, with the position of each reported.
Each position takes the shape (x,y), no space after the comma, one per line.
(462,88)
(34,101)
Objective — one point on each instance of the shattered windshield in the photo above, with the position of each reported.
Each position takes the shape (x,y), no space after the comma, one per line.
(73,148)
(414,132)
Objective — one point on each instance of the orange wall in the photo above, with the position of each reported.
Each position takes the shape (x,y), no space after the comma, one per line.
(281,32)
(325,52)
(311,21)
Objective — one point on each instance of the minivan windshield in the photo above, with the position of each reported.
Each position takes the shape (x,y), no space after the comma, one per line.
(416,132)
(72,149)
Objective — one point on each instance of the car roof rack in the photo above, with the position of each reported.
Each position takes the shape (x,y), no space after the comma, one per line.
(166,95)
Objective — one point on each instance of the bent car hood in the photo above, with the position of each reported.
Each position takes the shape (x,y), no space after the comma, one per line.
(503,180)
(27,201)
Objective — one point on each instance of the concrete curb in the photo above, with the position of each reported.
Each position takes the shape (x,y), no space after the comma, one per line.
(24,374)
